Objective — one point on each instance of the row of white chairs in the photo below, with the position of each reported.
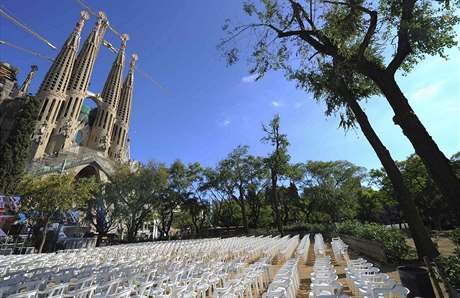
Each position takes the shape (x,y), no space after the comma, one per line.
(248,282)
(319,247)
(323,277)
(339,248)
(367,281)
(286,282)
(303,248)
(364,279)
(289,248)
(180,269)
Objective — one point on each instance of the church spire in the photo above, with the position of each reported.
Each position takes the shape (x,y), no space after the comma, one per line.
(67,119)
(53,88)
(57,77)
(121,127)
(24,89)
(105,117)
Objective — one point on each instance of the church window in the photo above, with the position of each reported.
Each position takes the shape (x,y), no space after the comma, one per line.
(43,107)
(50,109)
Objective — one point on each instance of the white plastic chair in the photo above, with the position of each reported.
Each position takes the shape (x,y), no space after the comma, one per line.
(400,291)
(319,290)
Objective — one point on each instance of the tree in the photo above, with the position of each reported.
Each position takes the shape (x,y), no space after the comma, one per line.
(234,170)
(277,162)
(14,153)
(339,87)
(387,194)
(198,210)
(196,205)
(256,183)
(138,193)
(225,210)
(353,34)
(288,198)
(102,212)
(427,196)
(47,198)
(370,206)
(178,191)
(331,188)
(226,213)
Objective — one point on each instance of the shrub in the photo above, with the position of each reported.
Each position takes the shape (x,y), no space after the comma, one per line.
(392,241)
(311,228)
(455,237)
(450,266)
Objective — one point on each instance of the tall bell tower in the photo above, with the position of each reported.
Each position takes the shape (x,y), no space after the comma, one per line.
(52,91)
(100,138)
(121,127)
(67,121)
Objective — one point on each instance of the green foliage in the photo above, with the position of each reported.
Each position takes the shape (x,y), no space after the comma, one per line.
(329,190)
(455,236)
(450,266)
(47,198)
(14,153)
(226,213)
(50,196)
(370,205)
(312,228)
(137,193)
(277,162)
(344,51)
(427,197)
(392,241)
(102,211)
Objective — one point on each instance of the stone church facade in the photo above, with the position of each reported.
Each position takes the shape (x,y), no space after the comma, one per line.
(70,136)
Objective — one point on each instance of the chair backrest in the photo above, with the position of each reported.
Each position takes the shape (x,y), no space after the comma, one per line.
(54,291)
(87,292)
(280,293)
(27,294)
(330,289)
(123,294)
(389,292)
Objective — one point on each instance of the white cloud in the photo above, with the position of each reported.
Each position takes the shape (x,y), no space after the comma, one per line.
(249,79)
(300,104)
(225,123)
(276,104)
(429,91)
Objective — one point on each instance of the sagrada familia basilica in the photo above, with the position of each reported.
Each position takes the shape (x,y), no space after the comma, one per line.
(68,134)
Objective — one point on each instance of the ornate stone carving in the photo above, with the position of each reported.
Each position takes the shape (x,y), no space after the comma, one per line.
(40,133)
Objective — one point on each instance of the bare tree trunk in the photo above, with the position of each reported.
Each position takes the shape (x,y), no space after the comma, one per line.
(243,210)
(276,203)
(423,243)
(437,164)
(44,236)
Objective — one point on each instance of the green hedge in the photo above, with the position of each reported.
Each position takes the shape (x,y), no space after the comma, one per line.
(392,241)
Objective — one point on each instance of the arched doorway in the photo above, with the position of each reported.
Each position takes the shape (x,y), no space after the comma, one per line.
(88,172)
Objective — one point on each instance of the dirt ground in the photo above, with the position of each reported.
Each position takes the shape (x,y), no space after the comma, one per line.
(445,247)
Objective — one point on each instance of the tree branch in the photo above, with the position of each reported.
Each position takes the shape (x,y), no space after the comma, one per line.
(404,47)
(370,30)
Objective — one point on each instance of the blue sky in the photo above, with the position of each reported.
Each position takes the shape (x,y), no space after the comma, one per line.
(213,108)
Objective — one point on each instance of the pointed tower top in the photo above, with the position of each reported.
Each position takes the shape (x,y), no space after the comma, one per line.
(124,39)
(100,19)
(133,62)
(83,17)
(25,86)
